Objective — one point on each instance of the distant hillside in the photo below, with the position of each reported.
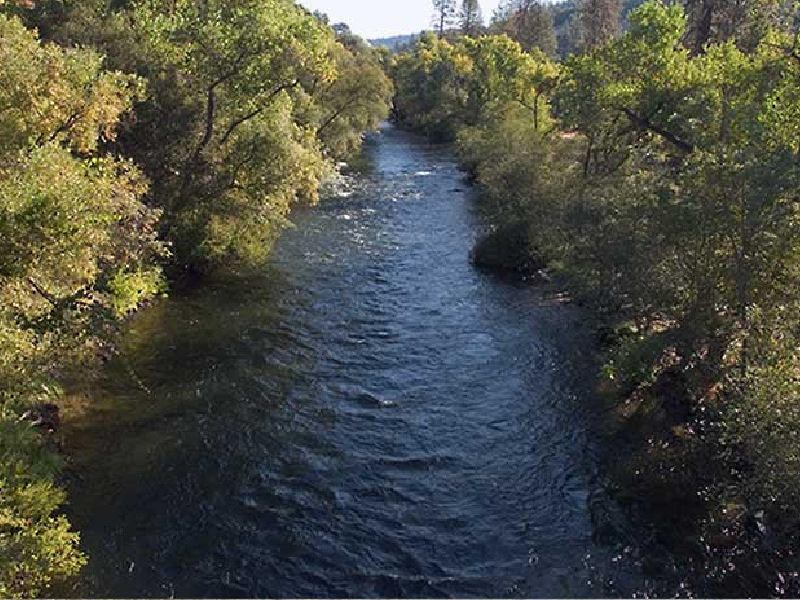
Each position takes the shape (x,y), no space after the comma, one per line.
(396,42)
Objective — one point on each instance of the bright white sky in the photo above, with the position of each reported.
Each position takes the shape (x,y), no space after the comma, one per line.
(384,18)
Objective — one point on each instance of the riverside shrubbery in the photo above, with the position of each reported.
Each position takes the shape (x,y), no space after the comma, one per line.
(659,177)
(135,141)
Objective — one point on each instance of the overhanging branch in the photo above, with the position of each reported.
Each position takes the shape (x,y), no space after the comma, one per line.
(646,124)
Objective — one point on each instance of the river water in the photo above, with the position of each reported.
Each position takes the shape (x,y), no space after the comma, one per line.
(370,416)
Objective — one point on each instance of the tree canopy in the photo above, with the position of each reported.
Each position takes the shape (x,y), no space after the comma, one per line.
(138,139)
(656,172)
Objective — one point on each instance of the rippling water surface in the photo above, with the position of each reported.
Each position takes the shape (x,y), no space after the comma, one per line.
(369,417)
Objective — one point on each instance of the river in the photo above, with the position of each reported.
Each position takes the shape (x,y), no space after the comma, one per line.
(369,416)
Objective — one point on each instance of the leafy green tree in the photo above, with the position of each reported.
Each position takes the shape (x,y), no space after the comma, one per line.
(442,86)
(218,134)
(529,22)
(78,251)
(444,15)
(502,72)
(430,85)
(223,79)
(470,18)
(356,101)
(600,21)
(710,195)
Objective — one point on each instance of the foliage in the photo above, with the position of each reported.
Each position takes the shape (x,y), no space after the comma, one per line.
(37,546)
(77,248)
(499,151)
(599,21)
(249,104)
(528,22)
(470,18)
(442,86)
(218,134)
(357,101)
(444,16)
(659,177)
(429,83)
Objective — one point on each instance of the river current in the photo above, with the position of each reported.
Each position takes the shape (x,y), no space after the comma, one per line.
(370,416)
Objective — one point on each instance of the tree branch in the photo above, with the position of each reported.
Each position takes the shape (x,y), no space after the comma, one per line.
(647,124)
(210,106)
(59,303)
(64,127)
(337,113)
(232,127)
(44,294)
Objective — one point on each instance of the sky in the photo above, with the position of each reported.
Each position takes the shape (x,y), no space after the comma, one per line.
(384,18)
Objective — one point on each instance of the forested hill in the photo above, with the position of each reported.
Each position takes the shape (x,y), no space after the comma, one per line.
(394,43)
(565,16)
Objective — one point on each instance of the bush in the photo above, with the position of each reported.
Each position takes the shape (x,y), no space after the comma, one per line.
(37,546)
(509,248)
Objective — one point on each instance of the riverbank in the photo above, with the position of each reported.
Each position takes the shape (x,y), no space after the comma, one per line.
(676,229)
(660,433)
(139,152)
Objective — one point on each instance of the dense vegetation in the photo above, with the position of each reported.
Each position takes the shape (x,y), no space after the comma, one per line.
(657,172)
(558,29)
(139,143)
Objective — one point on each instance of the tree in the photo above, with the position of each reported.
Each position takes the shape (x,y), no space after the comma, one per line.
(355,102)
(470,18)
(746,21)
(444,15)
(442,86)
(219,134)
(701,18)
(599,21)
(530,23)
(78,251)
(430,82)
(224,77)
